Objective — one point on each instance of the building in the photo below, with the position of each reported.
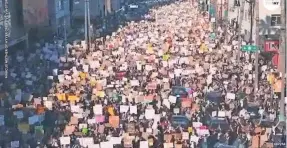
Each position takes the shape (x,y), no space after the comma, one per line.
(46,17)
(17,34)
(269,23)
(234,13)
(98,8)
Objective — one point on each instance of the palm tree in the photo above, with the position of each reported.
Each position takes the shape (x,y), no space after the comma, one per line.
(265,27)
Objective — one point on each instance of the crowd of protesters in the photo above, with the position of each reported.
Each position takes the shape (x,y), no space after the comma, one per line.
(173,81)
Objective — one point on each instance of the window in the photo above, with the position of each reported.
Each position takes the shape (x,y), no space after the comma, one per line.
(60,5)
(275,20)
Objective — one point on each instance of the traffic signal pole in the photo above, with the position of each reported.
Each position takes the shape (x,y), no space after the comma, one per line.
(242,4)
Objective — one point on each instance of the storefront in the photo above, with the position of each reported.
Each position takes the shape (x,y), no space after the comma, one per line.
(272,46)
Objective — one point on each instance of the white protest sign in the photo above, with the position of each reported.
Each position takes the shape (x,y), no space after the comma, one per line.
(86,141)
(106,144)
(149,113)
(98,109)
(94,146)
(135,83)
(166,103)
(65,140)
(230,96)
(15,144)
(176,110)
(86,68)
(194,138)
(168,145)
(124,108)
(172,99)
(82,125)
(55,72)
(76,109)
(61,78)
(214,114)
(144,144)
(221,113)
(48,104)
(115,140)
(133,109)
(92,121)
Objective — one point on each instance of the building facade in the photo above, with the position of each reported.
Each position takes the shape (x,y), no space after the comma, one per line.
(269,23)
(98,8)
(48,17)
(17,30)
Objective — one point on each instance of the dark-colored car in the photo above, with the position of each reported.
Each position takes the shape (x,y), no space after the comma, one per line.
(218,123)
(179,120)
(179,91)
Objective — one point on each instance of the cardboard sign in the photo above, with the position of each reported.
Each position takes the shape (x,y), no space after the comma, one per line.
(186,102)
(114,121)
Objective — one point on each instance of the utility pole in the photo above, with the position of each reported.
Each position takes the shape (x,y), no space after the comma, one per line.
(87,24)
(282,57)
(242,4)
(257,39)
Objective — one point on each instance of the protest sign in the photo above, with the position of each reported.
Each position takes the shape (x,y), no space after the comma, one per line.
(99,118)
(149,113)
(230,96)
(116,140)
(114,121)
(124,108)
(98,109)
(73,120)
(144,144)
(185,135)
(69,129)
(65,140)
(168,145)
(172,99)
(106,144)
(15,144)
(133,109)
(86,141)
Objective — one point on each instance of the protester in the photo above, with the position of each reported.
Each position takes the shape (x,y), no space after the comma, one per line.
(171,82)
